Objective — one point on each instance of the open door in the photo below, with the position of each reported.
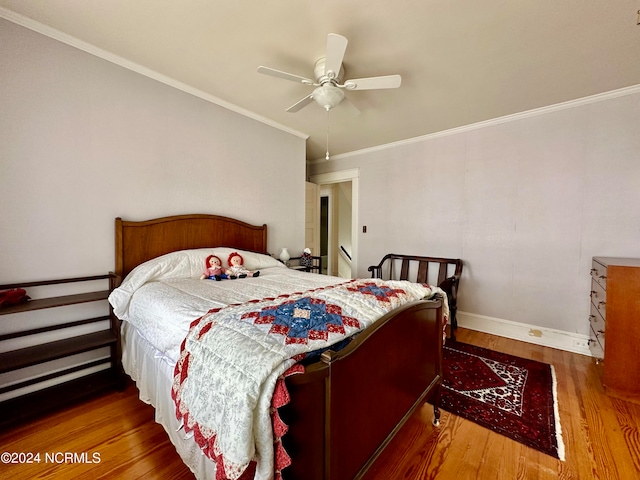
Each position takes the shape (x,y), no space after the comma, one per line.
(312,218)
(342,187)
(336,228)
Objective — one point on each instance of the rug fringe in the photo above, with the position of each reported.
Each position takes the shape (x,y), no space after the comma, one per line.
(556,415)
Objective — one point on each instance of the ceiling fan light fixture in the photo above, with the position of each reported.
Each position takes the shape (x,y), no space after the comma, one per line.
(328,96)
(328,73)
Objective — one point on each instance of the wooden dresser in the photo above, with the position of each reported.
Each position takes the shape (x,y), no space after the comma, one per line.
(615,316)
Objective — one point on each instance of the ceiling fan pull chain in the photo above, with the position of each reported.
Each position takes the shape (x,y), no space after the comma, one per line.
(327,156)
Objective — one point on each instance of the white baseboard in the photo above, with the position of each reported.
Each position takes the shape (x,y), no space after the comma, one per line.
(547,337)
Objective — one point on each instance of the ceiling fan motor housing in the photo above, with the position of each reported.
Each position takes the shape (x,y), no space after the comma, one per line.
(328,94)
(323,77)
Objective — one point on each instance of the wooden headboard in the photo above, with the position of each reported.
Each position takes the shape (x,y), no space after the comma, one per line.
(137,242)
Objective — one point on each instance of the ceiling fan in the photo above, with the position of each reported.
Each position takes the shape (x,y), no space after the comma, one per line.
(328,73)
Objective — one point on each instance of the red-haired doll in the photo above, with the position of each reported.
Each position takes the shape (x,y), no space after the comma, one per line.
(236,267)
(213,269)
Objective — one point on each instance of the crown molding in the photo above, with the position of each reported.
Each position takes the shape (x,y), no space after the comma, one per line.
(50,32)
(600,97)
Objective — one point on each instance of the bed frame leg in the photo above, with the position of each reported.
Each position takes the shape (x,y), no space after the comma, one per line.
(435,400)
(436,416)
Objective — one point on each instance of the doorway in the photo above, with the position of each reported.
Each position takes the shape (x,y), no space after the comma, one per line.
(335,228)
(338,222)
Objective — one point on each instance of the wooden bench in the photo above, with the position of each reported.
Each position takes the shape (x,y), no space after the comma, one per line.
(443,272)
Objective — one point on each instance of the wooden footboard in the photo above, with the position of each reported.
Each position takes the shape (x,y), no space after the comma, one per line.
(348,406)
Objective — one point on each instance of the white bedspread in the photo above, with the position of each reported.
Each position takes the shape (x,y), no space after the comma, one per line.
(163,296)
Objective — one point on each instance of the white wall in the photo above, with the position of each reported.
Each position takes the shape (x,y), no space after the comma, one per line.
(525,202)
(83,140)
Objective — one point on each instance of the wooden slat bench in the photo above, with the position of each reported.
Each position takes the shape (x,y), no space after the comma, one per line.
(443,272)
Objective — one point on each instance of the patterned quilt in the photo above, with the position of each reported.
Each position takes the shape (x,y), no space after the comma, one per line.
(233,358)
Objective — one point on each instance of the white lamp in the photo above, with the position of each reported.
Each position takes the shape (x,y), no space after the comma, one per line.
(284,255)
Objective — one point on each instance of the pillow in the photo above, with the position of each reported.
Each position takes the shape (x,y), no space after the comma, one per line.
(252,260)
(180,264)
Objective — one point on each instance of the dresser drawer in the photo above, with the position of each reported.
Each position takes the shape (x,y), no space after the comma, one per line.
(596,348)
(598,298)
(599,274)
(597,323)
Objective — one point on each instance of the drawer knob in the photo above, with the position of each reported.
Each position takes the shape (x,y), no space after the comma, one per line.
(602,277)
(593,271)
(593,294)
(601,304)
(592,318)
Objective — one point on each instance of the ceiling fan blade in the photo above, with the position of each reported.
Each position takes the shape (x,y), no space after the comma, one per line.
(301,103)
(373,83)
(287,76)
(336,46)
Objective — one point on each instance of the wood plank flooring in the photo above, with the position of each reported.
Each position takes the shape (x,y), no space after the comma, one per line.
(601,436)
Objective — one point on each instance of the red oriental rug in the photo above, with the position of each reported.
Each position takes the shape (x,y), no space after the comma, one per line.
(512,396)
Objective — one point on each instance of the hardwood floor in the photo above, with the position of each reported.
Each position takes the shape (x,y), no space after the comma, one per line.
(601,436)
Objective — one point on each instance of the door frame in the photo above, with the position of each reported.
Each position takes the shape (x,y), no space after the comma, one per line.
(339,177)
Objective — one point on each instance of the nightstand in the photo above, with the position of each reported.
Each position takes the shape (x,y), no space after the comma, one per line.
(316,267)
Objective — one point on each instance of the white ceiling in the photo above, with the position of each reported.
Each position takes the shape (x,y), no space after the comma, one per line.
(461,61)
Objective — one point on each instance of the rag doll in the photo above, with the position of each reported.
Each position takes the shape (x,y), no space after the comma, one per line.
(236,267)
(213,269)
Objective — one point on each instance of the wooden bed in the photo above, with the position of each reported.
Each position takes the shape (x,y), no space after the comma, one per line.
(348,405)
